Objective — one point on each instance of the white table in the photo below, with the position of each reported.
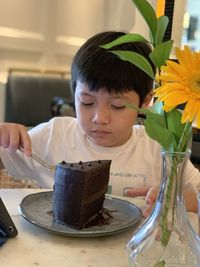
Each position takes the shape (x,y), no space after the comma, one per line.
(36,247)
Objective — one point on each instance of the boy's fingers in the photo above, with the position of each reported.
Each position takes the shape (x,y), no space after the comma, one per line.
(151,195)
(150,200)
(9,138)
(25,142)
(13,138)
(147,211)
(136,192)
(14,135)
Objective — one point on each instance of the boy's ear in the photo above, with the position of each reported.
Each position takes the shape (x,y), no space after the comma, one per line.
(147,99)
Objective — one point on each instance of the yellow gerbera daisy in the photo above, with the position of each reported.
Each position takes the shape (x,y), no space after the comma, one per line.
(181,84)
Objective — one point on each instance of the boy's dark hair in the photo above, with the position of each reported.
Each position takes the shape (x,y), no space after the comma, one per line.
(99,68)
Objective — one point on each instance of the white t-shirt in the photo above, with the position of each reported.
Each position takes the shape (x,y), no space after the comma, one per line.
(136,163)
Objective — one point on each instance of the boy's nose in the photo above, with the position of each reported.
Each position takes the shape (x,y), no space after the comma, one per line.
(101,116)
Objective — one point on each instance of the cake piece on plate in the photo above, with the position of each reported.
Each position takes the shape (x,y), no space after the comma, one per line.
(79,191)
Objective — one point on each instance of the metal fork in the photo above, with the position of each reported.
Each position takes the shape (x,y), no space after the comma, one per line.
(39,160)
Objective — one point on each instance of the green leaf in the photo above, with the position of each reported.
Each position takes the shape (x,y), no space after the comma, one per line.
(174,124)
(162,23)
(148,13)
(186,138)
(136,59)
(142,110)
(128,38)
(161,53)
(181,132)
(156,129)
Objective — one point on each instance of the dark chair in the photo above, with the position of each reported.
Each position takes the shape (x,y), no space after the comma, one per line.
(29,96)
(195,156)
(61,106)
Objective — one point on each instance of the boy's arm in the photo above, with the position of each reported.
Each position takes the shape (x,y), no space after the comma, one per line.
(190,198)
(150,194)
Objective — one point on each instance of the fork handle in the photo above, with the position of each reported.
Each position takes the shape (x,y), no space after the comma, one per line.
(36,158)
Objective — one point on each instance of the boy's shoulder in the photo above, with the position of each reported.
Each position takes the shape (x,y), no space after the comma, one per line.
(63,121)
(139,133)
(139,130)
(55,124)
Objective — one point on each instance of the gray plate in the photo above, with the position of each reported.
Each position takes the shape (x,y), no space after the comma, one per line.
(37,209)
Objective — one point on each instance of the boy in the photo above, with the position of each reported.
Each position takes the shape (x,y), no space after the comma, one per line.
(103,129)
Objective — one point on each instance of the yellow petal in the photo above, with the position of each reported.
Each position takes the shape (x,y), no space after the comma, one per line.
(184,117)
(198,117)
(191,108)
(180,84)
(174,99)
(185,57)
(167,108)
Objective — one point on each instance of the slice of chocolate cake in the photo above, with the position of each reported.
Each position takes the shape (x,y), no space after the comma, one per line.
(79,191)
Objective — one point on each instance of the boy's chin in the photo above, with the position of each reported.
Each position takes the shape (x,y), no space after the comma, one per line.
(103,142)
(100,142)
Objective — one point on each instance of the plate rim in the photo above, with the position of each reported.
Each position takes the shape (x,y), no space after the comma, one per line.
(81,232)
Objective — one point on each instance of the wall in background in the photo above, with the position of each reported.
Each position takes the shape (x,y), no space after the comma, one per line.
(45,34)
(191,33)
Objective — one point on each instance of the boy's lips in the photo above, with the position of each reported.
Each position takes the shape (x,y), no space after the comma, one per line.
(100,133)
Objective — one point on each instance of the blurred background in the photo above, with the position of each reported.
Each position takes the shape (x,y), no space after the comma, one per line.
(38,39)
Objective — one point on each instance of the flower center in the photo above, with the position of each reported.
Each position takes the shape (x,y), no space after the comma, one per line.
(194,82)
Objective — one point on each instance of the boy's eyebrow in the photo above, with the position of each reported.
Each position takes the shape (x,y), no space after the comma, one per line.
(85,93)
(117,96)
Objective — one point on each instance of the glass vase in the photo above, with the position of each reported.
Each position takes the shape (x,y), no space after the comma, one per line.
(166,238)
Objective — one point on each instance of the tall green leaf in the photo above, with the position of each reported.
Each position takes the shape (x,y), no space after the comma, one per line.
(136,59)
(162,23)
(177,127)
(131,37)
(149,15)
(161,53)
(174,123)
(155,128)
(186,138)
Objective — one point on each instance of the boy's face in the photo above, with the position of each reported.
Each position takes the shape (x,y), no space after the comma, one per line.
(103,116)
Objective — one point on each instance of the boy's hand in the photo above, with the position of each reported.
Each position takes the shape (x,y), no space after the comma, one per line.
(14,135)
(150,194)
(150,200)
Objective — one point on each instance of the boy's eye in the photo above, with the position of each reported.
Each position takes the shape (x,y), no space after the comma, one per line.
(87,103)
(118,107)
